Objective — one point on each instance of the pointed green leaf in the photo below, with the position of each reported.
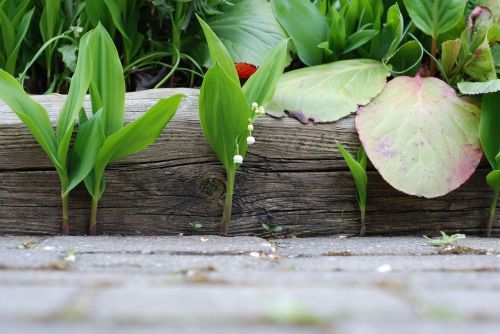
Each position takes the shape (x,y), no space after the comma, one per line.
(108,78)
(31,113)
(10,66)
(137,135)
(85,149)
(261,86)
(224,115)
(218,52)
(73,104)
(358,172)
(358,39)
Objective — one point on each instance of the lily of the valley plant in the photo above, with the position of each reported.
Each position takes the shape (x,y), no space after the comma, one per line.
(357,166)
(228,110)
(35,117)
(101,139)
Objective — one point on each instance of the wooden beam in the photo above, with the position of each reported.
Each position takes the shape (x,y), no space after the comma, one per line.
(293,176)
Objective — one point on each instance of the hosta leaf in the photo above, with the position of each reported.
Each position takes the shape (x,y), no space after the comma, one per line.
(305,24)
(489,128)
(435,17)
(224,115)
(326,93)
(421,137)
(249,30)
(473,88)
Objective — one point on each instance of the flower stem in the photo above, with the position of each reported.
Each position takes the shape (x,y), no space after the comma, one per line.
(362,231)
(228,204)
(65,207)
(492,212)
(93,217)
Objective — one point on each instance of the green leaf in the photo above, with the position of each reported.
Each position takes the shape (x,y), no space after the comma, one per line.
(49,20)
(305,24)
(386,43)
(137,135)
(10,65)
(407,59)
(435,17)
(420,136)
(248,29)
(69,58)
(224,115)
(328,92)
(115,13)
(481,67)
(73,104)
(218,52)
(449,56)
(108,78)
(358,39)
(493,179)
(31,113)
(489,127)
(261,86)
(473,88)
(85,149)
(358,171)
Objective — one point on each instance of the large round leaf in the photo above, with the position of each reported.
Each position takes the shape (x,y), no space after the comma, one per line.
(421,137)
(326,93)
(248,29)
(435,17)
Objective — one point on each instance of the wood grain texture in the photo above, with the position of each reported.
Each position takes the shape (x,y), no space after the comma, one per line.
(293,176)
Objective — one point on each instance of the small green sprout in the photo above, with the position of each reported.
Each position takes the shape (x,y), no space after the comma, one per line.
(444,239)
(357,166)
(196,226)
(272,230)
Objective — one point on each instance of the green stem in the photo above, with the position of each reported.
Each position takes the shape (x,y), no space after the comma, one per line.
(228,205)
(492,212)
(93,217)
(433,53)
(362,231)
(65,207)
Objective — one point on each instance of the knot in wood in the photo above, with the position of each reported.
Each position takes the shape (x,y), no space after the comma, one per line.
(213,186)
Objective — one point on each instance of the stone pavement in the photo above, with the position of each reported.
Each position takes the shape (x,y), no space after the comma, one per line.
(235,285)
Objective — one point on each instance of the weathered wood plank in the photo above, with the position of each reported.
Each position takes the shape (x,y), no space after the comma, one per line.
(293,176)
